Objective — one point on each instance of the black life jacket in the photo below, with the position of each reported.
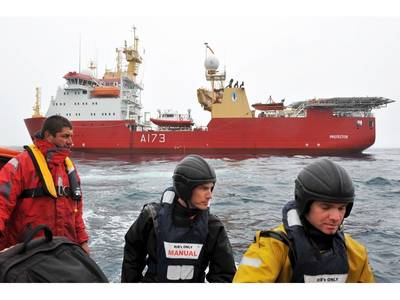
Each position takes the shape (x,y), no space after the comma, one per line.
(310,264)
(48,187)
(180,250)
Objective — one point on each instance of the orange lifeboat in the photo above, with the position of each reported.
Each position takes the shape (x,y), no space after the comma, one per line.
(106,91)
(268,106)
(6,155)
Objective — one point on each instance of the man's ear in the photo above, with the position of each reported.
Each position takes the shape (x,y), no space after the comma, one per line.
(47,135)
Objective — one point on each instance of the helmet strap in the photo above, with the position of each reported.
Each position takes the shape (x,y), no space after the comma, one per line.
(183,203)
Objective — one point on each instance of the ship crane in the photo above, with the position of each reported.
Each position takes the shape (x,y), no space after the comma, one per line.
(132,56)
(36,107)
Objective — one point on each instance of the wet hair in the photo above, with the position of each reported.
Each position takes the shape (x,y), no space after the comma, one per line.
(54,124)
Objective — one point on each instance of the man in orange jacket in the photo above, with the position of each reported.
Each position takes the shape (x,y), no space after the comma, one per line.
(42,186)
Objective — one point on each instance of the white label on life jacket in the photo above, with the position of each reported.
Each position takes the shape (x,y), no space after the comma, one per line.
(182,250)
(293,218)
(325,278)
(168,197)
(180,272)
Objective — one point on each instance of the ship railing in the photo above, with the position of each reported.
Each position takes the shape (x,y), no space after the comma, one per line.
(299,112)
(350,103)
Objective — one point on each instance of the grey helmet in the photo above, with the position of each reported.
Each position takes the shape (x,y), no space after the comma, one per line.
(326,181)
(192,171)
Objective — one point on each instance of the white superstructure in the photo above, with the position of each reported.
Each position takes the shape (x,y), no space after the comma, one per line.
(116,96)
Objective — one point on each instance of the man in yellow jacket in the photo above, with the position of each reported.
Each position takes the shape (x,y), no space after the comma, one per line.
(310,245)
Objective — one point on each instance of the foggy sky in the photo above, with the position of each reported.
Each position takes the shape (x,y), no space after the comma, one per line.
(295,58)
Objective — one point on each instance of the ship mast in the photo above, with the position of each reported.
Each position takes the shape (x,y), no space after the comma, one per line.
(93,68)
(212,73)
(119,62)
(132,56)
(36,107)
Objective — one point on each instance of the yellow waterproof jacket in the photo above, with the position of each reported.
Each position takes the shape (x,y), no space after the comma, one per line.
(267,260)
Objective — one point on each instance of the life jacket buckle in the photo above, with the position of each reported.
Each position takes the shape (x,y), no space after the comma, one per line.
(62,191)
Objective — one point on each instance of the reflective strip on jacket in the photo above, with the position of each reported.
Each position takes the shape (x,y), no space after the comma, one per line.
(267,260)
(63,215)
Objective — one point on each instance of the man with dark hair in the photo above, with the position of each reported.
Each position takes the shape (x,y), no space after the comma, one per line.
(54,124)
(310,245)
(177,239)
(42,186)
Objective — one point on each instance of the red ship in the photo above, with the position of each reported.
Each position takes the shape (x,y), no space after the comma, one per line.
(106,116)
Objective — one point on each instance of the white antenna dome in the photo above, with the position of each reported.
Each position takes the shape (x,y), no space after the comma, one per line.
(211,62)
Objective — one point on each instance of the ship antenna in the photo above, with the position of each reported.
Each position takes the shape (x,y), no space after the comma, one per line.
(209,48)
(80,38)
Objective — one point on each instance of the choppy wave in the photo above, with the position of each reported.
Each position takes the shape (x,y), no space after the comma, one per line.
(378,181)
(248,196)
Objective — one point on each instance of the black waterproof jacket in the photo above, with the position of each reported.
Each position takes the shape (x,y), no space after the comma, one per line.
(140,247)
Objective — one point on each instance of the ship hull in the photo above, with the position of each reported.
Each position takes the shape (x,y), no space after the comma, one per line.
(320,133)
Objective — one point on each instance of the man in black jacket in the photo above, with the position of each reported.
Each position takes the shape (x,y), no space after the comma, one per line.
(177,239)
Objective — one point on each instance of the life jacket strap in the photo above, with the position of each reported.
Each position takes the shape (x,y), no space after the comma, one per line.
(40,192)
(281,236)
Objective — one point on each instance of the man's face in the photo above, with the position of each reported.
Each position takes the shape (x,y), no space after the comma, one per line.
(326,216)
(201,196)
(62,139)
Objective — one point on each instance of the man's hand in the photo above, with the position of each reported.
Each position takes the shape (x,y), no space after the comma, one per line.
(85,247)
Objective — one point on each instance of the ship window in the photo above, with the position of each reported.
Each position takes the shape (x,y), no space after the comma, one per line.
(359,123)
(371,124)
(85,91)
